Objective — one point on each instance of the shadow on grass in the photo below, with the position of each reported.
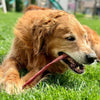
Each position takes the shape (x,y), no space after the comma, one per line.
(71,80)
(68,80)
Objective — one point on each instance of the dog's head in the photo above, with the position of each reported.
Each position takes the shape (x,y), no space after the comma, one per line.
(93,40)
(69,37)
(56,33)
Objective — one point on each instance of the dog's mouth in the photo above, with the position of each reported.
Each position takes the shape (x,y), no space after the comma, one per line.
(73,65)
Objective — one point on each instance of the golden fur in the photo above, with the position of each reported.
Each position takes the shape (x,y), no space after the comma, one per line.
(39,36)
(93,40)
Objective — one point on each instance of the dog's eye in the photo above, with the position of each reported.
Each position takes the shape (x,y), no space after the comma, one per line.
(70,38)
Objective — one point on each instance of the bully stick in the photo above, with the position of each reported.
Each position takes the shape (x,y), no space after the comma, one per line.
(43,69)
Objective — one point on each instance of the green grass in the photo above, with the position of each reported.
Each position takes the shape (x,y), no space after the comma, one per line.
(68,86)
(7,23)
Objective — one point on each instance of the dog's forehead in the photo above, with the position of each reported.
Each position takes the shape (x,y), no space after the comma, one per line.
(69,23)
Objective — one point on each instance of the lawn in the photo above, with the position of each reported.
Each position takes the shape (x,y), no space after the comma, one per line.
(68,86)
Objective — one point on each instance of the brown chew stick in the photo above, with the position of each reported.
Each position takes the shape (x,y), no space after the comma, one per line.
(43,69)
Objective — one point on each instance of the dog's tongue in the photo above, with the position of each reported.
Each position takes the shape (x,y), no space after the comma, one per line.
(43,69)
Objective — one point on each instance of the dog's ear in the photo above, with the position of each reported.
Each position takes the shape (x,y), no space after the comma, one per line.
(41,32)
(34,36)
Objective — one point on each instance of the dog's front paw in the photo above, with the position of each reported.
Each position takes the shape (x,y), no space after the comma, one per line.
(10,86)
(11,83)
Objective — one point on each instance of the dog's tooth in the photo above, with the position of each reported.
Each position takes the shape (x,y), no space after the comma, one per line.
(69,59)
(78,67)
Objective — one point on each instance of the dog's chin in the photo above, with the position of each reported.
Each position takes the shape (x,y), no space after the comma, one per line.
(72,64)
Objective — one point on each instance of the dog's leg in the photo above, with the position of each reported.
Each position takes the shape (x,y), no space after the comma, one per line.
(10,80)
(30,74)
(1,73)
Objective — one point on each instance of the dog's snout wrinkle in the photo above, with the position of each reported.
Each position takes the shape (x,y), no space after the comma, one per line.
(91,58)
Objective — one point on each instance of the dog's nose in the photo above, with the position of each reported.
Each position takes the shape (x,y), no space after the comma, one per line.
(91,57)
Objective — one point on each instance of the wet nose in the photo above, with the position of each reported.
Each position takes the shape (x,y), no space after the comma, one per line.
(91,57)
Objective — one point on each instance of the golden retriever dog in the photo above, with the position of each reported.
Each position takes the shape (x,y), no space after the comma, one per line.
(93,39)
(40,37)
